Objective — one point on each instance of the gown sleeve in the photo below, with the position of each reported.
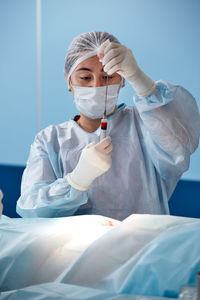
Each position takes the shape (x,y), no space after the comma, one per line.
(44,191)
(171,127)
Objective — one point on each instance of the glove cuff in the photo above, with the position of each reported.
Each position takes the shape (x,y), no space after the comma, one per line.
(141,83)
(75,185)
(84,174)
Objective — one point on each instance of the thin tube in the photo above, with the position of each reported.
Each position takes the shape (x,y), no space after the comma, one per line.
(106,97)
(104,121)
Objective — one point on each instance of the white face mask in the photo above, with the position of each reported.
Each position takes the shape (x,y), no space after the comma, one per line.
(90,101)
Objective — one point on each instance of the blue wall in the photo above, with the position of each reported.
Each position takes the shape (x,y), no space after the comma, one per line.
(164,37)
(17,80)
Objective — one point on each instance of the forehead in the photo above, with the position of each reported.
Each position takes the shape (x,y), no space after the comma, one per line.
(91,63)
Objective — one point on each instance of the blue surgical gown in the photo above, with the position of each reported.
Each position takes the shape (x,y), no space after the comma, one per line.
(152,143)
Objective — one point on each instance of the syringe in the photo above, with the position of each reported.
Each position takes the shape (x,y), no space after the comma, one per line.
(104,121)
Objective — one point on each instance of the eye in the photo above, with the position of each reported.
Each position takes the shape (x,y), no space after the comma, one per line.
(108,77)
(85,77)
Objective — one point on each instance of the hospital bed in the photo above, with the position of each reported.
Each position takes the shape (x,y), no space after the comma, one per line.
(94,257)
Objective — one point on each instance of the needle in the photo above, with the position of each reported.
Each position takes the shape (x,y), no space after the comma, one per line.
(106,97)
(104,121)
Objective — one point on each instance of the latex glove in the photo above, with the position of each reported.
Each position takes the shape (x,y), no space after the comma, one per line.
(95,160)
(1,205)
(118,58)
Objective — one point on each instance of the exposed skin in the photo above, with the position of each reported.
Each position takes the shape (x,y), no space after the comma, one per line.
(90,73)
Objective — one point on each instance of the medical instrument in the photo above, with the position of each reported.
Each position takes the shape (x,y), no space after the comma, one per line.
(104,121)
(104,124)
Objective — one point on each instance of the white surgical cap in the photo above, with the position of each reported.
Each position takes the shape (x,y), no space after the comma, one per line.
(83,47)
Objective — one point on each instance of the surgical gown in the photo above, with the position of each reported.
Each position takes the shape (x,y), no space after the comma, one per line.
(152,143)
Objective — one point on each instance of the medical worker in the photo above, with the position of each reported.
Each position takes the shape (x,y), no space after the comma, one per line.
(135,169)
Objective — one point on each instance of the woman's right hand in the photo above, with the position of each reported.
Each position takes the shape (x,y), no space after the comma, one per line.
(95,160)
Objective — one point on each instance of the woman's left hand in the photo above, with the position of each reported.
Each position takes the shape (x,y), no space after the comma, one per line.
(117,58)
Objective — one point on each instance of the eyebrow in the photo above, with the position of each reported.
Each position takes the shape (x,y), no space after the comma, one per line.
(87,69)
